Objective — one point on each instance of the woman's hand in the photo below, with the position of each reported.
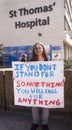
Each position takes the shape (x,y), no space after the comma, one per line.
(13,78)
(64,79)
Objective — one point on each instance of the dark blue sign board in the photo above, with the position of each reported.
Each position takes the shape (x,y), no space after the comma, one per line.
(14,53)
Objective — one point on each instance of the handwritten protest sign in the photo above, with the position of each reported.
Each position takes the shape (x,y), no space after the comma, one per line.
(39,84)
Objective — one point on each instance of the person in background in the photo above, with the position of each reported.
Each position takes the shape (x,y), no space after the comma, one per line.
(23,58)
(39,54)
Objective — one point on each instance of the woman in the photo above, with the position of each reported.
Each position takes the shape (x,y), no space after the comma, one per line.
(39,54)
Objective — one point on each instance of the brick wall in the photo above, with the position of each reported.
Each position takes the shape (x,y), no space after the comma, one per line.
(9,89)
(2,95)
(68,89)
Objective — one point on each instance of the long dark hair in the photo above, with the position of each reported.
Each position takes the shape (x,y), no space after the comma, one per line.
(34,56)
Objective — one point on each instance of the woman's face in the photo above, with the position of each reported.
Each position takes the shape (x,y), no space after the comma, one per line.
(38,49)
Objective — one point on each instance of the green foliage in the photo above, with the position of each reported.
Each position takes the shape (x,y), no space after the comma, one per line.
(67,64)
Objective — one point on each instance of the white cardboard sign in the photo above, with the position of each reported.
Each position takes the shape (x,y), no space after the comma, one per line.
(39,84)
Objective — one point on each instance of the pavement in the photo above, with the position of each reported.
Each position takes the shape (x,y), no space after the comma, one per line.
(10,120)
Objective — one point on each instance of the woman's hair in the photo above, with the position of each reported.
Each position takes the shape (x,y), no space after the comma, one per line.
(34,56)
